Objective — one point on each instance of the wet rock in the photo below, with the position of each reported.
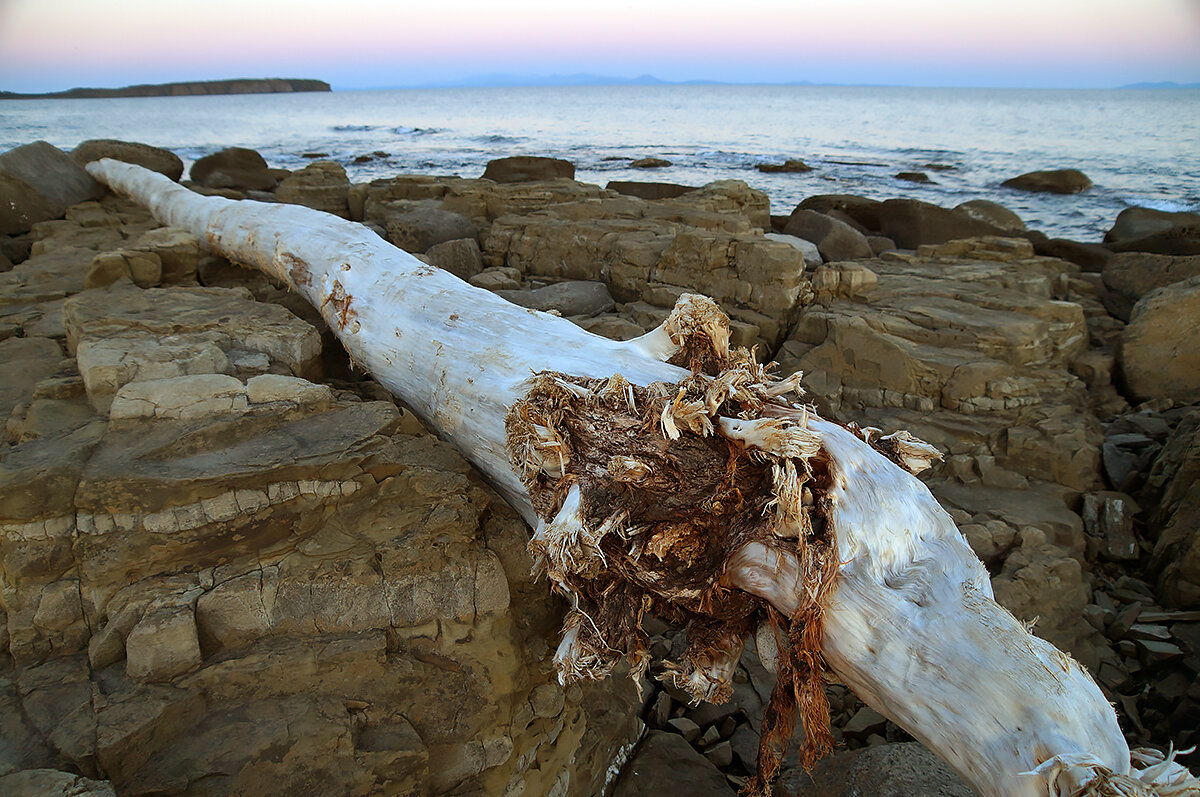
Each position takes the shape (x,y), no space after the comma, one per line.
(992,213)
(914,177)
(650,163)
(321,185)
(1160,348)
(1137,222)
(666,764)
(38,181)
(156,159)
(835,240)
(525,168)
(1054,181)
(789,166)
(235,167)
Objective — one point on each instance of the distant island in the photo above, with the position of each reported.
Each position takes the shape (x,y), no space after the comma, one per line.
(269,85)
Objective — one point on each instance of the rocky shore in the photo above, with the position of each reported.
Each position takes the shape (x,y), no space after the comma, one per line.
(231,564)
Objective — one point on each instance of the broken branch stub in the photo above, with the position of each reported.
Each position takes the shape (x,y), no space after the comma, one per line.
(668,474)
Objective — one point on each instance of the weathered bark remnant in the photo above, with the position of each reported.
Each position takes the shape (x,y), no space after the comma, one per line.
(700,493)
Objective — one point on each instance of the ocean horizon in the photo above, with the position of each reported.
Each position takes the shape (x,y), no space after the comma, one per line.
(1138,146)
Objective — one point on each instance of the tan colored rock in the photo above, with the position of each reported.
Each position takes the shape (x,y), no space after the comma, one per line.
(1160,347)
(178,250)
(162,645)
(142,268)
(195,396)
(322,185)
(268,388)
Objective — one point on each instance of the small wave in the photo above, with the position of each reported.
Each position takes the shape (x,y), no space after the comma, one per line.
(416,131)
(353,128)
(1166,205)
(496,138)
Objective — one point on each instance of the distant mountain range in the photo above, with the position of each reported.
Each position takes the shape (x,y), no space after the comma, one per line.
(1164,84)
(269,85)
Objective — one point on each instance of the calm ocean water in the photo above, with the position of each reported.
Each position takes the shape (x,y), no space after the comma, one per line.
(1139,147)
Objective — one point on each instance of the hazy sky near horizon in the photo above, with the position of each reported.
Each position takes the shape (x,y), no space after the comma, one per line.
(51,45)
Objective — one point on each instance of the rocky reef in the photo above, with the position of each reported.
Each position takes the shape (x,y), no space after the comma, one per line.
(231,564)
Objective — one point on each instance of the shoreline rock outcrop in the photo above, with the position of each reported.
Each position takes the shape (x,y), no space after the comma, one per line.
(228,560)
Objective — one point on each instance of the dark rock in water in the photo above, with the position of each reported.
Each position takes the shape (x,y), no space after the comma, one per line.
(887,770)
(236,167)
(835,239)
(39,182)
(1089,257)
(650,163)
(666,764)
(1051,181)
(789,166)
(156,159)
(419,229)
(315,155)
(649,191)
(911,223)
(992,213)
(572,298)
(526,168)
(1131,275)
(914,177)
(1138,222)
(1172,241)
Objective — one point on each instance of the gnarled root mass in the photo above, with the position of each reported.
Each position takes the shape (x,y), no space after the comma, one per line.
(647,495)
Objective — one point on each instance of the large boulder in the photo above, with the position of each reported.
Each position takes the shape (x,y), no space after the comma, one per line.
(322,185)
(912,223)
(156,159)
(886,770)
(236,167)
(1051,181)
(1131,275)
(992,213)
(1160,347)
(1138,222)
(649,190)
(1088,256)
(39,181)
(835,239)
(1171,241)
(570,298)
(422,227)
(525,168)
(666,764)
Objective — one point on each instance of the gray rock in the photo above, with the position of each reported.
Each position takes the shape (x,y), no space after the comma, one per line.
(38,182)
(889,770)
(572,298)
(721,754)
(461,257)
(1053,181)
(666,764)
(835,239)
(156,159)
(235,167)
(421,228)
(685,727)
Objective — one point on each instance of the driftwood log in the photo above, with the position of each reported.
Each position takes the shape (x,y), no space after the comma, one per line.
(672,475)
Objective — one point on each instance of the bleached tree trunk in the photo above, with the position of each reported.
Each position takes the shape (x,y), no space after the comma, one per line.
(830,537)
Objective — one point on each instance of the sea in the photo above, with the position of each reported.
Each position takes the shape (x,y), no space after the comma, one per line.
(1138,146)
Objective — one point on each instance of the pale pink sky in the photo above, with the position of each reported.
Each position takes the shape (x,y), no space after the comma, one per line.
(50,45)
